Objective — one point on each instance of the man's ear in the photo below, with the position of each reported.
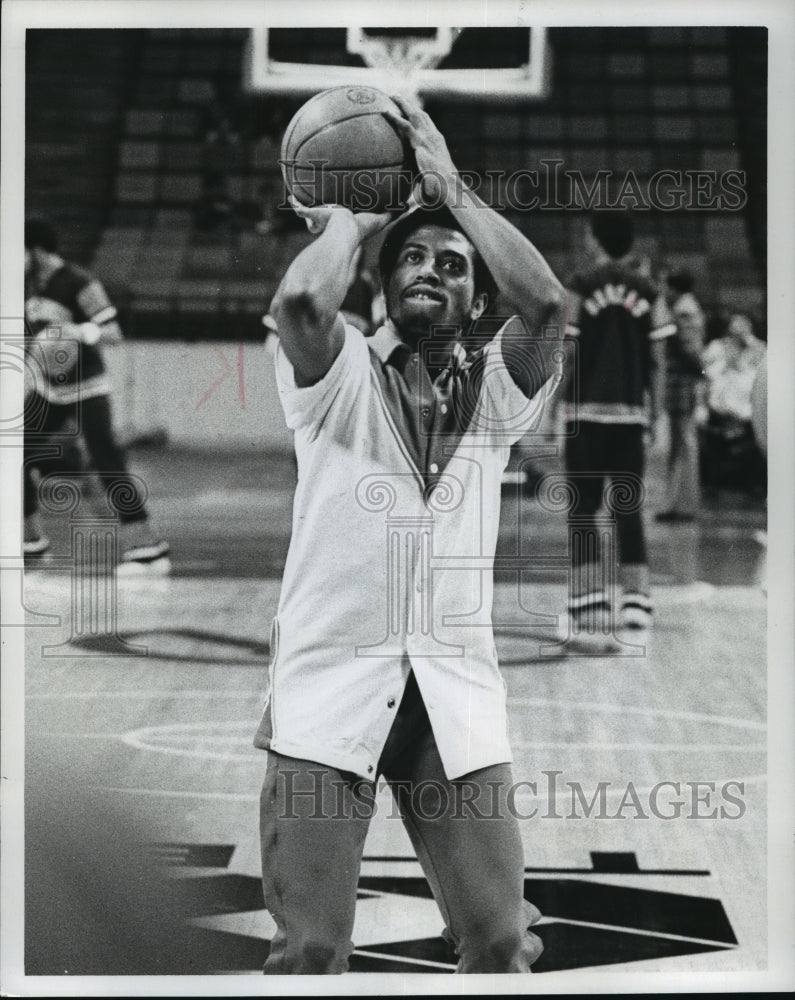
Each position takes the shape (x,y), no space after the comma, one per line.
(478,306)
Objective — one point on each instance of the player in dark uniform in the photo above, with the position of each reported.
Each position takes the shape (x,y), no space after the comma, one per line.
(607,414)
(68,315)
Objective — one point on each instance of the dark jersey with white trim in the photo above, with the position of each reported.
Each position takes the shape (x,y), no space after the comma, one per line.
(612,329)
(72,295)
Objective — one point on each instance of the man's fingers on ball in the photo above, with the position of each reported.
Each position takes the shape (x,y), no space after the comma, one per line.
(396,120)
(408,107)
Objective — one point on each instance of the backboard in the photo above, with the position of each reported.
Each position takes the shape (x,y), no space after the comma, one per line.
(482,64)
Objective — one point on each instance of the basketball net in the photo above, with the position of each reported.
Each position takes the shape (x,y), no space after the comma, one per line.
(397,60)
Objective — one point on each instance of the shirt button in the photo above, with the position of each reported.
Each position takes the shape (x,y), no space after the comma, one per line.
(414,359)
(443,407)
(390,703)
(434,468)
(426,410)
(369,768)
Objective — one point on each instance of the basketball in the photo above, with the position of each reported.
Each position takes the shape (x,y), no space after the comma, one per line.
(340,149)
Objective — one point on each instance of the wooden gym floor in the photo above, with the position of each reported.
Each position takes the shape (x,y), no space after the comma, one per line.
(144,752)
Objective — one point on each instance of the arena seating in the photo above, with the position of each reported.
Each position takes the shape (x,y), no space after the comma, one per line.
(179,184)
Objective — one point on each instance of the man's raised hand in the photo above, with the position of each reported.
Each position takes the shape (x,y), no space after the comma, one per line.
(436,168)
(317,217)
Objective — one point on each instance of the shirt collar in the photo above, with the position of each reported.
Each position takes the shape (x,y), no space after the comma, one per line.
(386,339)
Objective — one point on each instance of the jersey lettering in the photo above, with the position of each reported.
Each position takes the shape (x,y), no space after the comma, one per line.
(616,295)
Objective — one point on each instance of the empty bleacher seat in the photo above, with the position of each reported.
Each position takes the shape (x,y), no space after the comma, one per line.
(162,261)
(144,121)
(587,159)
(543,126)
(136,153)
(710,65)
(161,57)
(195,91)
(720,159)
(583,64)
(682,232)
(181,188)
(673,128)
(673,37)
(584,97)
(208,260)
(632,128)
(727,237)
(182,122)
(623,64)
(716,129)
(673,97)
(590,127)
(153,91)
(638,159)
(172,225)
(708,36)
(713,97)
(670,64)
(181,154)
(628,96)
(152,286)
(136,187)
(131,215)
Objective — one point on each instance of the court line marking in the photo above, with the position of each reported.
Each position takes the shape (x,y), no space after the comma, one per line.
(367,953)
(162,693)
(595,706)
(518,702)
(640,932)
(149,738)
(674,747)
(174,794)
(521,744)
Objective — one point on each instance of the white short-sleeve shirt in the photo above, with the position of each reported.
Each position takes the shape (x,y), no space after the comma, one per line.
(390,564)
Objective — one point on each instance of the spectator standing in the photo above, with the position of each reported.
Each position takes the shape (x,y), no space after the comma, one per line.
(731,365)
(682,342)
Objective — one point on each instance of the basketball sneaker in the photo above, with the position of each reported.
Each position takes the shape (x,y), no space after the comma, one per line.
(590,625)
(143,553)
(35,546)
(636,611)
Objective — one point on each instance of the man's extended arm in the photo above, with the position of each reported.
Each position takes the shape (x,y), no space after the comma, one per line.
(307,303)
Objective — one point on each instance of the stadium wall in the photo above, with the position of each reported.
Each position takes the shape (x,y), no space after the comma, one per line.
(197,395)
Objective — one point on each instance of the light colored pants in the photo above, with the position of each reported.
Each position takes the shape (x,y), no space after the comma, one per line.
(314,821)
(683,494)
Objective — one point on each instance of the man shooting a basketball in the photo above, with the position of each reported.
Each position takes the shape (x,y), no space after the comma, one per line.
(408,427)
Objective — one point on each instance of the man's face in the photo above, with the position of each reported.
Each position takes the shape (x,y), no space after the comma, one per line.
(433,283)
(740,328)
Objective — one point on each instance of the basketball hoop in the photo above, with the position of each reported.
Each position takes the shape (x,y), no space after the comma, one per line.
(417,62)
(396,60)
